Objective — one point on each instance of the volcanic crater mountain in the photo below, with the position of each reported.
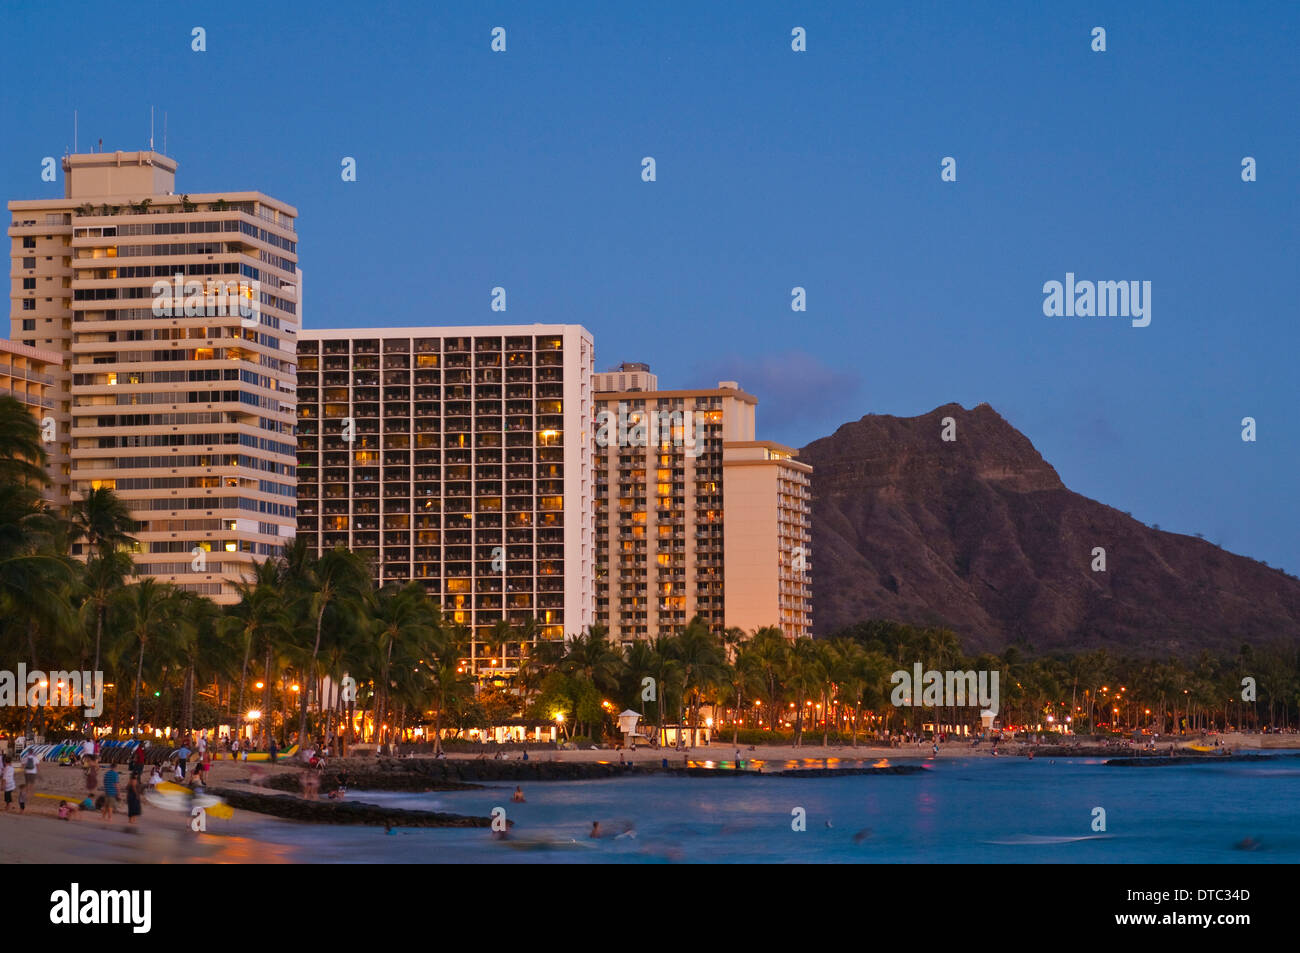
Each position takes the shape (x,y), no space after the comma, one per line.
(980,535)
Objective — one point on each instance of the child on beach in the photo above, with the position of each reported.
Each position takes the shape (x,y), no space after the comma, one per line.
(65,811)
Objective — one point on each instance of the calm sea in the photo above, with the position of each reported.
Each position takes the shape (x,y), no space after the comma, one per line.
(1010,810)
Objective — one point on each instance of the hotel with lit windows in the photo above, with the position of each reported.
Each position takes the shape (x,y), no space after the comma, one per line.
(186,409)
(461,458)
(694,516)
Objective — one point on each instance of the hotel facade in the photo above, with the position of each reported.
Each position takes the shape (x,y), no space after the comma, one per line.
(160,335)
(35,378)
(694,516)
(175,318)
(461,458)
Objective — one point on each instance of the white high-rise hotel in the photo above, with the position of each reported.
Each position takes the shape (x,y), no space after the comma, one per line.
(187,413)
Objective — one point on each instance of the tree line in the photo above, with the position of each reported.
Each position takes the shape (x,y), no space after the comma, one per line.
(313,648)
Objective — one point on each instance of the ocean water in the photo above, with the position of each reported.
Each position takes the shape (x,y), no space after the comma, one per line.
(985,810)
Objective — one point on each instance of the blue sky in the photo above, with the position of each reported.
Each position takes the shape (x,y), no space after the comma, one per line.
(775,169)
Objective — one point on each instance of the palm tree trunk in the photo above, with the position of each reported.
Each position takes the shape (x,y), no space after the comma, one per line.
(187,717)
(243,672)
(663,732)
(308,682)
(267,714)
(99,632)
(735,722)
(139,676)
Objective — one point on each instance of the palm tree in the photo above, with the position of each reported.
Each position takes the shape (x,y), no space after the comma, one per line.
(103,520)
(701,657)
(501,634)
(332,586)
(448,686)
(743,676)
(845,667)
(666,669)
(102,577)
(29,563)
(148,611)
(200,648)
(406,622)
(22,452)
(259,621)
(807,674)
(771,651)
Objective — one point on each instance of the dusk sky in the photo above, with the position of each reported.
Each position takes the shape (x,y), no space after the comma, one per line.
(775,169)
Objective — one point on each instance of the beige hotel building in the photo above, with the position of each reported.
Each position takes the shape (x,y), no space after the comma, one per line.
(694,516)
(184,404)
(460,457)
(35,378)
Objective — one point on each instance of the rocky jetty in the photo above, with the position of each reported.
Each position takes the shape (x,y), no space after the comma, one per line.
(1193,759)
(341,812)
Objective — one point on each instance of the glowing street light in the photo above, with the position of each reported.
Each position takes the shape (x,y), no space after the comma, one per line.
(254,714)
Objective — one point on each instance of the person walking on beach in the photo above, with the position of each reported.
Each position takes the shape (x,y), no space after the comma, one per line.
(29,778)
(272,750)
(9,782)
(92,777)
(137,761)
(133,799)
(110,793)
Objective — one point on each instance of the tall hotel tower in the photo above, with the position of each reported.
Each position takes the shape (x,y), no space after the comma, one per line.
(459,457)
(176,320)
(694,515)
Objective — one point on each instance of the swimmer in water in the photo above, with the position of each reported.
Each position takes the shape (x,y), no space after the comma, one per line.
(518,796)
(595,829)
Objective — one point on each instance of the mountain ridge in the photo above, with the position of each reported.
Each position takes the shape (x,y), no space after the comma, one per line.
(981,535)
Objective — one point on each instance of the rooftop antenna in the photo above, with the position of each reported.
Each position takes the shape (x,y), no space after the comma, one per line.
(151,129)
